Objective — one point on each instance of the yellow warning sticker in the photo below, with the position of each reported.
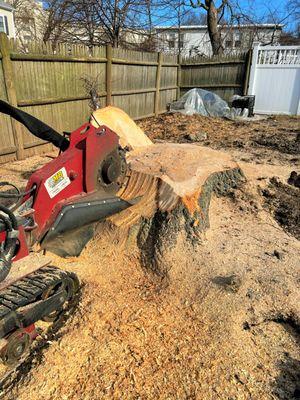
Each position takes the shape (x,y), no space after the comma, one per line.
(57,182)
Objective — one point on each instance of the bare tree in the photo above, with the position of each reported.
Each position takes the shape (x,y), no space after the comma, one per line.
(83,25)
(179,12)
(58,15)
(98,22)
(293,9)
(149,42)
(29,20)
(214,15)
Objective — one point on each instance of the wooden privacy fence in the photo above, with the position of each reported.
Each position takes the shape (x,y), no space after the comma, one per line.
(224,76)
(49,85)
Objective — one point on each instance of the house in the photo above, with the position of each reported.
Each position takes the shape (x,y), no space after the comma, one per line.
(7,19)
(29,20)
(194,40)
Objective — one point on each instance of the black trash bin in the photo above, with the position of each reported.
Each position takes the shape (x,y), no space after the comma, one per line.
(245,102)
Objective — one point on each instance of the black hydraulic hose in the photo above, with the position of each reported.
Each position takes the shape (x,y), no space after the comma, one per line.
(9,249)
(35,126)
(4,183)
(11,216)
(15,195)
(7,223)
(10,244)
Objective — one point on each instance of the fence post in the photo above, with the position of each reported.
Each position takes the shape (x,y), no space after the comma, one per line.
(108,75)
(178,76)
(157,84)
(251,89)
(8,76)
(247,72)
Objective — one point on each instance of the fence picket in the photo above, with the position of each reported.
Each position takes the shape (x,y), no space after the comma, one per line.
(8,75)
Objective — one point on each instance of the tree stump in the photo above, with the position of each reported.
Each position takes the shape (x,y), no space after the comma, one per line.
(173,184)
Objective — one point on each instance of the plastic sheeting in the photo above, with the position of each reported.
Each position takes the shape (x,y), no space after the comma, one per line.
(203,102)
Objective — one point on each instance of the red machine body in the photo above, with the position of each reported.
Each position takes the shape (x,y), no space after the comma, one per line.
(88,147)
(76,177)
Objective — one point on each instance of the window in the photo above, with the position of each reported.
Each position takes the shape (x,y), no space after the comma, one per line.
(171,44)
(4,24)
(238,39)
(238,36)
(228,44)
(181,41)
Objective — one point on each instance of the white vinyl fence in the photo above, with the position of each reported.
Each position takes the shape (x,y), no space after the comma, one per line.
(275,79)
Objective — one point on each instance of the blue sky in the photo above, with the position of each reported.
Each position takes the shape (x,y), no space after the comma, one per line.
(275,11)
(263,8)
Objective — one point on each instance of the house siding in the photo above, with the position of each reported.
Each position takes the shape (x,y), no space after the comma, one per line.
(10,21)
(196,42)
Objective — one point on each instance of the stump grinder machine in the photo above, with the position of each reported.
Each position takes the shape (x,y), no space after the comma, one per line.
(57,211)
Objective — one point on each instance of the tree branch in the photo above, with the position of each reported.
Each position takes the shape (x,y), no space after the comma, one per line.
(199,4)
(222,6)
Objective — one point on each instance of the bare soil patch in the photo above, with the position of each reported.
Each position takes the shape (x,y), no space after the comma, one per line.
(273,140)
(284,203)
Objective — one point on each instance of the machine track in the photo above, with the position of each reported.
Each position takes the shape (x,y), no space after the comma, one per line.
(42,295)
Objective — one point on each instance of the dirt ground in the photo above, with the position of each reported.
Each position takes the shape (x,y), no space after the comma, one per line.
(274,140)
(227,326)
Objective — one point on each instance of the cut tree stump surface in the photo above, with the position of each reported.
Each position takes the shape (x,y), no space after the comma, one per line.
(185,167)
(130,135)
(166,175)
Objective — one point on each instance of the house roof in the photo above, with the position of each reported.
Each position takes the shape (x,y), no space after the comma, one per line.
(204,27)
(6,6)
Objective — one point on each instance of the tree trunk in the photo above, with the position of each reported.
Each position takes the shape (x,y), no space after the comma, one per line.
(47,34)
(157,236)
(213,29)
(174,199)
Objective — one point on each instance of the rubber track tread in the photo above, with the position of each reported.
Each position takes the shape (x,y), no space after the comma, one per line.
(29,289)
(4,310)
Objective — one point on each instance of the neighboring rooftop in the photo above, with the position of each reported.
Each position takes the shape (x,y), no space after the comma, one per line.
(241,26)
(6,6)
